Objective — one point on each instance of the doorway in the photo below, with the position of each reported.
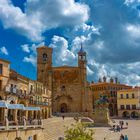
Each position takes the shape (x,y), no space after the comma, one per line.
(63,108)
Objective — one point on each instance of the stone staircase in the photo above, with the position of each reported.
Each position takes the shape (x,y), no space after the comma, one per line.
(71,114)
(54,128)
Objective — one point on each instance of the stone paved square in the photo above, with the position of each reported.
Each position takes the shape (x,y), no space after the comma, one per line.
(54,128)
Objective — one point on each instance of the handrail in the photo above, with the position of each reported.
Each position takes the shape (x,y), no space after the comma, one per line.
(25,125)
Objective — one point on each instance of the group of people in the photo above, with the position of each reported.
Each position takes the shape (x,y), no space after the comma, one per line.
(120,126)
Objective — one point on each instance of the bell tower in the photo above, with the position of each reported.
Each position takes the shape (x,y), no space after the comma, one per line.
(82,63)
(44,65)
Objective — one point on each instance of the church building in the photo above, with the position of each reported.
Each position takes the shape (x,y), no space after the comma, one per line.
(69,86)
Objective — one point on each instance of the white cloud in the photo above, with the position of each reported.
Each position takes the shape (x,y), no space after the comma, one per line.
(133,30)
(13,17)
(41,15)
(25,48)
(31,59)
(61,52)
(4,51)
(89,71)
(128,2)
(57,12)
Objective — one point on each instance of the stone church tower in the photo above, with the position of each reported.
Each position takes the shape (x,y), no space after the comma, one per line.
(68,84)
(44,66)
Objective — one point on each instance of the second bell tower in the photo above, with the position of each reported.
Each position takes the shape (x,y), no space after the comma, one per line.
(44,65)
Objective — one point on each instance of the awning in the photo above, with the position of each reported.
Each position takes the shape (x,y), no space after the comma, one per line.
(15,106)
(32,108)
(3,104)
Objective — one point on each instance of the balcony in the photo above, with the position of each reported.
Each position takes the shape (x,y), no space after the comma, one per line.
(11,90)
(39,103)
(18,93)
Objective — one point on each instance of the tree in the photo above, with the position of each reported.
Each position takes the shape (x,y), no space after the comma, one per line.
(78,132)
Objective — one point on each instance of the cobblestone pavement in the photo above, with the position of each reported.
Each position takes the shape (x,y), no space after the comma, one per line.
(54,128)
(133,131)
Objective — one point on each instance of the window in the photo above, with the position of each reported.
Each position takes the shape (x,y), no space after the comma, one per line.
(121,96)
(20,91)
(133,106)
(25,92)
(63,88)
(12,86)
(127,96)
(31,100)
(111,93)
(37,101)
(133,95)
(44,57)
(114,94)
(1,66)
(31,88)
(121,107)
(128,107)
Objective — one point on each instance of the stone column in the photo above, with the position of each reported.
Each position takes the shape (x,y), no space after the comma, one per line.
(15,115)
(5,114)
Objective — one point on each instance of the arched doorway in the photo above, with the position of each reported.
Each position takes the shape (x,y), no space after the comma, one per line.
(43,116)
(1,114)
(126,114)
(134,114)
(63,108)
(35,114)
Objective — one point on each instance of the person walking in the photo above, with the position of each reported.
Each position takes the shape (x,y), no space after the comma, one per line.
(127,124)
(125,138)
(122,137)
(63,117)
(122,124)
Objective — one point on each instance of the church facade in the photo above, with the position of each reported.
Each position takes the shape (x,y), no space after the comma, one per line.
(69,86)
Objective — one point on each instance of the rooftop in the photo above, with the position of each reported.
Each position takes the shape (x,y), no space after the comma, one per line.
(107,83)
(7,61)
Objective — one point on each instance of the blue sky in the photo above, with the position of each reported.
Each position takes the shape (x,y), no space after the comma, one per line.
(108,29)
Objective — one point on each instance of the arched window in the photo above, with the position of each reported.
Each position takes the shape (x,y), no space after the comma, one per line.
(31,100)
(63,88)
(44,57)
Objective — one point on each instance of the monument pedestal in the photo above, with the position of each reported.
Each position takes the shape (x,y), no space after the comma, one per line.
(101,117)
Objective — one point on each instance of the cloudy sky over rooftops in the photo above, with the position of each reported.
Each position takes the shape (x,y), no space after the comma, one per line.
(108,29)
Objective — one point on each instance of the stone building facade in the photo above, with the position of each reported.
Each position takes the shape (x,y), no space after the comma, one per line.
(128,102)
(108,89)
(24,103)
(70,92)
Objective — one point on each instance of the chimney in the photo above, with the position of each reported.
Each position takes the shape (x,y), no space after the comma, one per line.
(104,79)
(111,80)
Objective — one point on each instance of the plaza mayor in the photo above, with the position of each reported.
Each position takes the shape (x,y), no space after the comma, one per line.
(69,70)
